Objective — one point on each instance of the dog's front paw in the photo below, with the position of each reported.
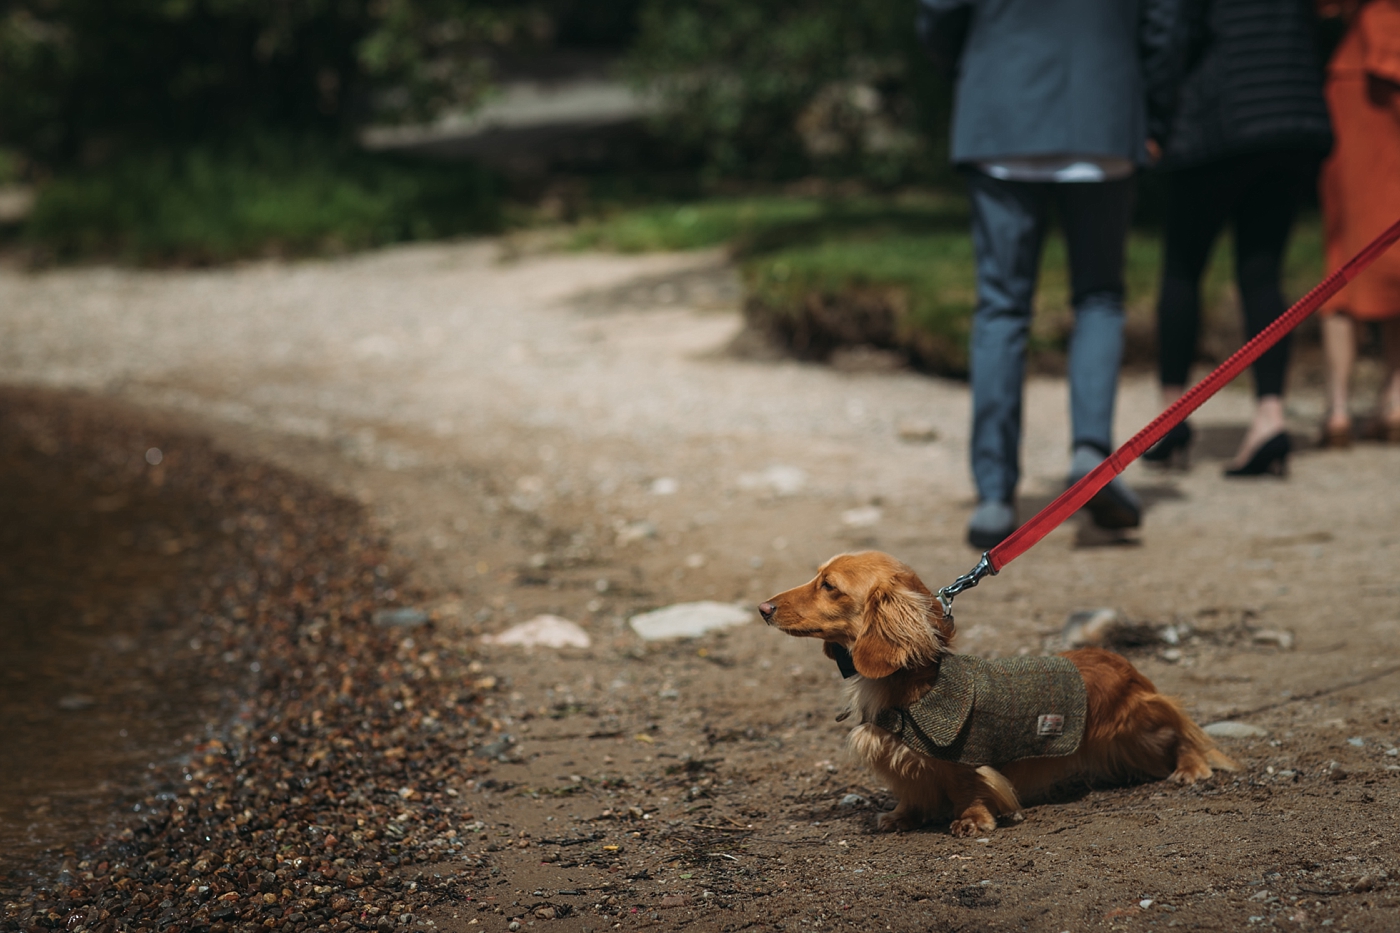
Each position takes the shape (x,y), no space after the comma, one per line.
(973,823)
(1191,766)
(1190,774)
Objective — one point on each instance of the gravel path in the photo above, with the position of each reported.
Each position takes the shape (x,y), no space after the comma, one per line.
(566,434)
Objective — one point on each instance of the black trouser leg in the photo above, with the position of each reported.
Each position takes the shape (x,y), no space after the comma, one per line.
(1198,205)
(1263,218)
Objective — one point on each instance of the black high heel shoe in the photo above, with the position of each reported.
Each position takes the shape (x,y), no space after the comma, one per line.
(1271,457)
(1172,449)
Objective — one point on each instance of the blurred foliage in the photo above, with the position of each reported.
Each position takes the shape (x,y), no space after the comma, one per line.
(784,88)
(196,130)
(85,78)
(270,195)
(11,166)
(896,279)
(693,225)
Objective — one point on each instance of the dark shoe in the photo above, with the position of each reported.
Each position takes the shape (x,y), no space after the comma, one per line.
(991,524)
(1172,449)
(1380,429)
(1115,506)
(1271,457)
(1334,438)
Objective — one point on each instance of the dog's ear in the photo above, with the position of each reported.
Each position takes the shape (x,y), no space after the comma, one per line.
(874,655)
(897,629)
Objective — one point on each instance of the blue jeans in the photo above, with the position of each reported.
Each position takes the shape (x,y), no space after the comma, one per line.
(1009,221)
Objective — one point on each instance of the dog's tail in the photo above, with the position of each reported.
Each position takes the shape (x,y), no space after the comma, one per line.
(1003,796)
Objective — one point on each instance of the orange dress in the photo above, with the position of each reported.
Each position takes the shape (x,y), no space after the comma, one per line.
(1360,186)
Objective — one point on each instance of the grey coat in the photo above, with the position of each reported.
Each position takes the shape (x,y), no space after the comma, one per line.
(1055,77)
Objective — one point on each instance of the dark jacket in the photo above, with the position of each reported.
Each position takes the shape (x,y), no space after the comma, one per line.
(1055,77)
(1253,81)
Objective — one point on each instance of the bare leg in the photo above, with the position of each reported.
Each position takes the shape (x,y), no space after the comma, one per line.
(1388,408)
(1339,346)
(1268,421)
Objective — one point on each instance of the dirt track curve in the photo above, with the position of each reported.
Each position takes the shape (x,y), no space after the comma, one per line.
(567,434)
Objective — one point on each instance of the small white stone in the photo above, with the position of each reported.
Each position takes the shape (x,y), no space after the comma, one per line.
(779,480)
(1145,903)
(689,620)
(1281,639)
(1234,730)
(1090,627)
(862,517)
(545,631)
(917,431)
(627,532)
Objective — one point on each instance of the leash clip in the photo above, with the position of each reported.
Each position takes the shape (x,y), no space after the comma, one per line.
(965,582)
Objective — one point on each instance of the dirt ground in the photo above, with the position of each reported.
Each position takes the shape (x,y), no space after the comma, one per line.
(567,434)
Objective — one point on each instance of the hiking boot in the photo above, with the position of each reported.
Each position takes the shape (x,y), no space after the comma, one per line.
(990,523)
(1115,506)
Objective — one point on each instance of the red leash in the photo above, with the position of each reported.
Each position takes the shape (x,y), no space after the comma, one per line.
(1075,497)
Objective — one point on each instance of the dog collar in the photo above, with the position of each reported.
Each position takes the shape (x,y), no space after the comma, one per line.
(843,661)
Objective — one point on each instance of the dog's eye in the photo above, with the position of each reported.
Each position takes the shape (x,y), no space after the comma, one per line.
(826,585)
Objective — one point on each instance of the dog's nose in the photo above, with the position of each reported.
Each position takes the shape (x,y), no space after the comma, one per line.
(766,610)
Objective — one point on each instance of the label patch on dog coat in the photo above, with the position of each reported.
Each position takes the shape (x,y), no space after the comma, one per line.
(992,712)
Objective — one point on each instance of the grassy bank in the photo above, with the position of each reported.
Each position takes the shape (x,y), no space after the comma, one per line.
(267,196)
(898,274)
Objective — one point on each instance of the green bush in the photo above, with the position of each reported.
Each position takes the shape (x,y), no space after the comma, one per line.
(914,292)
(123,112)
(693,225)
(784,88)
(80,78)
(11,167)
(269,195)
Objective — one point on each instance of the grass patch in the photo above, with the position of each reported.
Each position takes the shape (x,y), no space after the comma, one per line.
(693,225)
(899,274)
(266,196)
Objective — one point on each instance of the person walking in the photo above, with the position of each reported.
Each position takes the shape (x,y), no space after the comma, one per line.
(1053,106)
(1360,197)
(1248,133)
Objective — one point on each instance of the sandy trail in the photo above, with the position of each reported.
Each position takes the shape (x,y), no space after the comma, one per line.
(565,434)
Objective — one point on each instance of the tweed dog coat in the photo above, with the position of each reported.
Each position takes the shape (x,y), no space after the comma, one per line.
(983,712)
